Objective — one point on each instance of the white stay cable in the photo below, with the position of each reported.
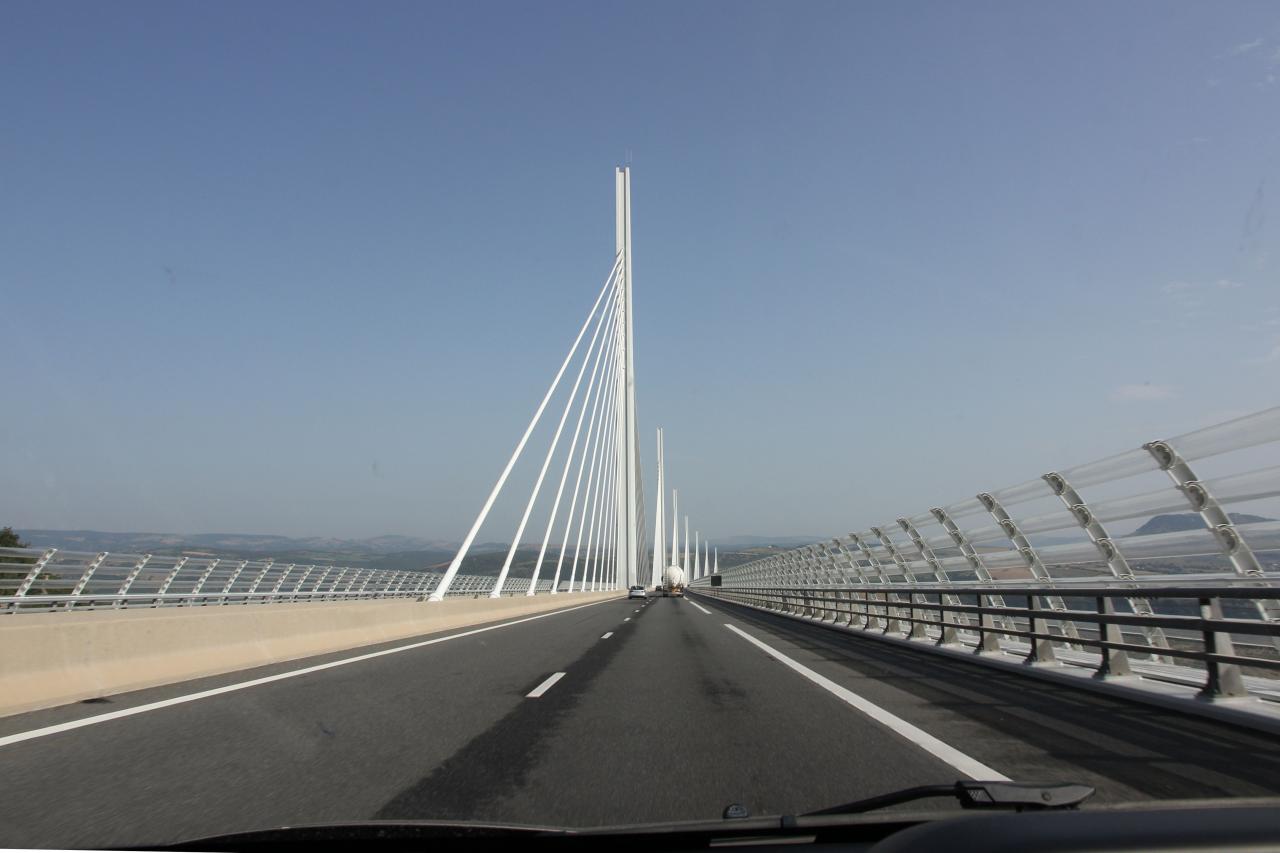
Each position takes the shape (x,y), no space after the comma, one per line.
(601,488)
(605,547)
(443,588)
(611,536)
(597,427)
(588,400)
(597,491)
(590,495)
(546,463)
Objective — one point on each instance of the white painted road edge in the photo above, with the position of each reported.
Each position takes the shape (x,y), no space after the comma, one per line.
(243,685)
(544,686)
(699,606)
(970,767)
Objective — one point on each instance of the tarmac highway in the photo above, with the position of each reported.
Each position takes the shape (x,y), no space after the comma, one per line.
(609,713)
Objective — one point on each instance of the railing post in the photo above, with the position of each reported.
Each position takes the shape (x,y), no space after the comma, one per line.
(1224,680)
(204,577)
(319,582)
(888,598)
(279,584)
(231,581)
(129,579)
(1115,662)
(980,570)
(32,576)
(870,622)
(302,581)
(892,624)
(84,579)
(917,625)
(1029,555)
(916,630)
(852,615)
(946,621)
(262,573)
(988,642)
(1041,652)
(939,575)
(1106,546)
(1233,545)
(169,579)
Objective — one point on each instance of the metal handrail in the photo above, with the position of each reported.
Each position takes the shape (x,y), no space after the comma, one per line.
(983,540)
(942,613)
(34,581)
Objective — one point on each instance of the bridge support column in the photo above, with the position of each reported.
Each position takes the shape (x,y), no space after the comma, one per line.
(628,513)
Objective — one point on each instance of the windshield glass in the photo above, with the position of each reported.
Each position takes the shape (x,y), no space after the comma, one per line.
(356,467)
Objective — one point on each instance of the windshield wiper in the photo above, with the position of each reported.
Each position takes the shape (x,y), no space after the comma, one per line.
(977,795)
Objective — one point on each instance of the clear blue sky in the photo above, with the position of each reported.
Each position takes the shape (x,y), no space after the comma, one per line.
(305,268)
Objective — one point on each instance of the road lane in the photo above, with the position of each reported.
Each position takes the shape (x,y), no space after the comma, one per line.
(1033,730)
(661,714)
(673,723)
(332,745)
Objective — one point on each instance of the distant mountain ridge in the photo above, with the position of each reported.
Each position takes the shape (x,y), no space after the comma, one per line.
(395,551)
(1178,522)
(97,540)
(266,543)
(756,541)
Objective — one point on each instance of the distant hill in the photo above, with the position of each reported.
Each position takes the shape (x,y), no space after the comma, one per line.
(97,540)
(781,541)
(378,552)
(1178,522)
(398,552)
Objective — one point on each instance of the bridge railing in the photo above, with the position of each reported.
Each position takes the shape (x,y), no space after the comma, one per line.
(1037,569)
(1096,625)
(1062,525)
(53,579)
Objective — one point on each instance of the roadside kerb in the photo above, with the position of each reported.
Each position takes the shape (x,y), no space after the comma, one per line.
(52,659)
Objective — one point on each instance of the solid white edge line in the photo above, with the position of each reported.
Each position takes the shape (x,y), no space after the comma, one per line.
(231,688)
(544,686)
(699,606)
(607,636)
(970,767)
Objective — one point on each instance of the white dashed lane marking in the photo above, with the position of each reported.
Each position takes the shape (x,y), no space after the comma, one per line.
(545,686)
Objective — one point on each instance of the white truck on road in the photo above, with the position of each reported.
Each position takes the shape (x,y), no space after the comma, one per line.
(673,581)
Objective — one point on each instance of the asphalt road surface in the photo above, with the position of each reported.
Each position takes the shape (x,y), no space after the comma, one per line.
(668,709)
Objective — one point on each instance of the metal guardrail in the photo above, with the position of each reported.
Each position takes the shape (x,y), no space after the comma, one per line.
(1200,622)
(1000,535)
(53,579)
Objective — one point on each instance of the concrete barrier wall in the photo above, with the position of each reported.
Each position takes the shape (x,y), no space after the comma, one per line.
(50,659)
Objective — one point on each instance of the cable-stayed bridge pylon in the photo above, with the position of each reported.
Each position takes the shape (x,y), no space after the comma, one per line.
(608,504)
